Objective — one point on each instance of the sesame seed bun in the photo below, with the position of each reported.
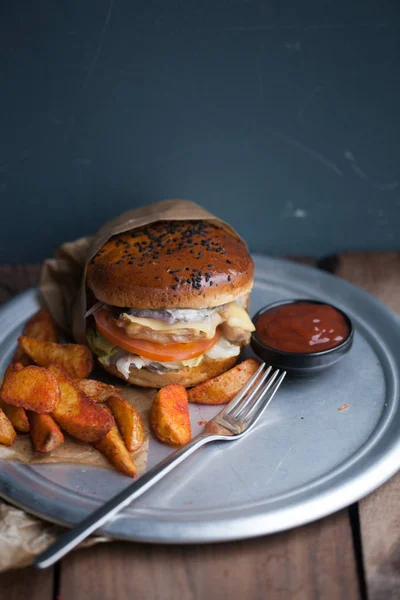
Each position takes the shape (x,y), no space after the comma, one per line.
(188,376)
(171,264)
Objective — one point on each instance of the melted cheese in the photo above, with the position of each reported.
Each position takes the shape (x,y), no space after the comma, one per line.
(236,316)
(233,314)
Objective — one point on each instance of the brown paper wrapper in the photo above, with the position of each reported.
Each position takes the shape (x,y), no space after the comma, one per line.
(22,537)
(62,287)
(62,282)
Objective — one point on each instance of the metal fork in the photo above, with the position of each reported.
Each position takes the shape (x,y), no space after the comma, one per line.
(233,422)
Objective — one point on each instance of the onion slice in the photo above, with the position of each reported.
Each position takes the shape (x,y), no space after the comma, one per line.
(94,308)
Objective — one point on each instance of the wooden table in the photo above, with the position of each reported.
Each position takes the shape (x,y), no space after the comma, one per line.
(352,554)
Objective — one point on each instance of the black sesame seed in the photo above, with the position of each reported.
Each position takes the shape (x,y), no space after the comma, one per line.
(229,278)
(210,265)
(175,287)
(211,282)
(228,261)
(177,279)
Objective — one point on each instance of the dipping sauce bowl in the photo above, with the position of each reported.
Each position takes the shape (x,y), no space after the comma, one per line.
(302,336)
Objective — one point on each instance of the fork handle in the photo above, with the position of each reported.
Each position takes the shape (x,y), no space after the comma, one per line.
(96,519)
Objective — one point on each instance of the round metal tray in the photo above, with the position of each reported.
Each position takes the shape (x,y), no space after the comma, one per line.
(305,460)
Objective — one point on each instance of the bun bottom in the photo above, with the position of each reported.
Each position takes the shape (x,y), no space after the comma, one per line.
(188,376)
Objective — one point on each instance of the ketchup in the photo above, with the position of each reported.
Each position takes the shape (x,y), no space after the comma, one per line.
(302,327)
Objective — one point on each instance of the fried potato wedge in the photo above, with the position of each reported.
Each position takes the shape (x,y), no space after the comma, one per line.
(76,413)
(17,415)
(223,388)
(45,433)
(33,388)
(7,431)
(21,357)
(41,327)
(112,447)
(128,420)
(75,359)
(96,390)
(170,415)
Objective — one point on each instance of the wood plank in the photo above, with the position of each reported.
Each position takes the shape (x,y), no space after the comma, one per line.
(376,272)
(314,561)
(26,584)
(379,274)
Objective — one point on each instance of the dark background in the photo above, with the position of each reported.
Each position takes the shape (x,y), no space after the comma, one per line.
(282,117)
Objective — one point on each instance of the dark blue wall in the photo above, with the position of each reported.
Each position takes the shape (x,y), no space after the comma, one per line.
(282,117)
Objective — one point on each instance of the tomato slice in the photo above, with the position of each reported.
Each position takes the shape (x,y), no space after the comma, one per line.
(157,352)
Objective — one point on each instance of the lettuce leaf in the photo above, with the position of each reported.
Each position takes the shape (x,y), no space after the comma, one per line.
(192,362)
(101,347)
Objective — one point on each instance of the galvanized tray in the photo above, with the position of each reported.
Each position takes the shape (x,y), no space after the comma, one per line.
(305,460)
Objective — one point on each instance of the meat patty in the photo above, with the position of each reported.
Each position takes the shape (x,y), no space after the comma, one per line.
(134,330)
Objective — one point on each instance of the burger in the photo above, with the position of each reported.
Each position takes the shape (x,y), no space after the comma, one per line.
(169,303)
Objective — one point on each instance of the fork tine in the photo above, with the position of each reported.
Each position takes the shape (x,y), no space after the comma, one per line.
(253,392)
(272,387)
(235,401)
(253,399)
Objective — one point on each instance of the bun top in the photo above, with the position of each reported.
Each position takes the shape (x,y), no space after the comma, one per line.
(171,264)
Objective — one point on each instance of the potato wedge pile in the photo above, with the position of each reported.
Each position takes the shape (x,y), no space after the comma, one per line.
(44,393)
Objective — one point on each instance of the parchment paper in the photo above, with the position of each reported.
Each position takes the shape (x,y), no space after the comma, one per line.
(22,537)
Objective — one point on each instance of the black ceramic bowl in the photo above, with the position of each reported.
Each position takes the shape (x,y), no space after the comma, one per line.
(301,363)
